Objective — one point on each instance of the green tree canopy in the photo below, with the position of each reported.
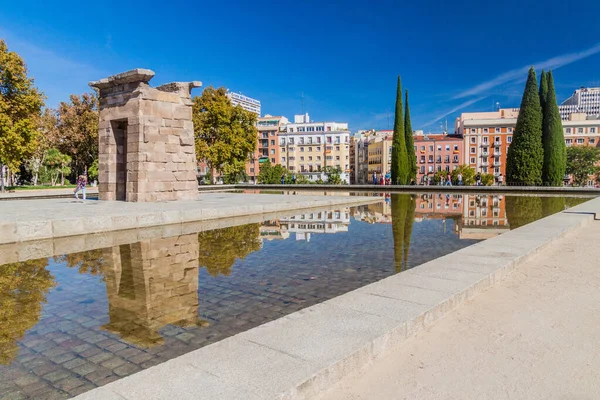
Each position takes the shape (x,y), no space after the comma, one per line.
(57,165)
(270,174)
(20,108)
(487,179)
(220,248)
(333,175)
(468,175)
(400,167)
(23,290)
(543,90)
(581,163)
(525,154)
(225,135)
(410,143)
(78,131)
(553,138)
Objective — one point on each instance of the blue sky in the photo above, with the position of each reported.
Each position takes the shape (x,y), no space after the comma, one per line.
(453,56)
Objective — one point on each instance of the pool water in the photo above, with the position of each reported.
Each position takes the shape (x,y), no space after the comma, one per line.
(73,322)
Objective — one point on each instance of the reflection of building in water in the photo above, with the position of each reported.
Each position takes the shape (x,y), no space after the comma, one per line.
(271,230)
(303,225)
(151,284)
(484,216)
(438,206)
(375,213)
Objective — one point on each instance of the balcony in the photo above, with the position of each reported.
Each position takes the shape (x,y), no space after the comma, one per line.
(497,151)
(484,154)
(497,163)
(497,142)
(455,161)
(485,144)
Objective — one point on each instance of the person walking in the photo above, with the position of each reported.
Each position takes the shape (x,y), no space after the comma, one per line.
(282,179)
(374,178)
(294,179)
(448,180)
(460,179)
(478,179)
(81,184)
(500,180)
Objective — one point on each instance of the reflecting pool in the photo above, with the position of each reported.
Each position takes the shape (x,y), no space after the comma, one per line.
(71,322)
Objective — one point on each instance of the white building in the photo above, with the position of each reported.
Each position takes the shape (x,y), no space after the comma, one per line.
(325,221)
(307,148)
(247,103)
(584,100)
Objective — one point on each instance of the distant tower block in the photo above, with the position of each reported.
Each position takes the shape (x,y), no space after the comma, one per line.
(146,139)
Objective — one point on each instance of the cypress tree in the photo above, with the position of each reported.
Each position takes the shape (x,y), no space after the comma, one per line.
(525,154)
(553,139)
(399,156)
(543,90)
(410,143)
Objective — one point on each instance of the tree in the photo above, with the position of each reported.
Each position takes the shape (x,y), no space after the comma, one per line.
(93,171)
(20,107)
(271,174)
(543,91)
(225,134)
(87,262)
(553,139)
(525,154)
(400,166)
(23,290)
(333,175)
(57,165)
(487,179)
(581,161)
(220,248)
(78,131)
(468,175)
(410,144)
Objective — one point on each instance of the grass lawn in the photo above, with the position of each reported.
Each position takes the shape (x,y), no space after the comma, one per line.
(39,187)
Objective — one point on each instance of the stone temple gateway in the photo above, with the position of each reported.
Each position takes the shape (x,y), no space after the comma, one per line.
(146,139)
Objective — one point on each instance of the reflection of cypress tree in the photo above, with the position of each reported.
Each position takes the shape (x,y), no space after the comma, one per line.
(574,201)
(403,211)
(408,225)
(23,289)
(552,205)
(220,248)
(521,210)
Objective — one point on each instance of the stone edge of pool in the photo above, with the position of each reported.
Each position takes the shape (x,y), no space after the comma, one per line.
(303,354)
(143,215)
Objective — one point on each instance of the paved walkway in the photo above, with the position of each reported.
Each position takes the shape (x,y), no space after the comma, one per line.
(533,336)
(24,220)
(44,192)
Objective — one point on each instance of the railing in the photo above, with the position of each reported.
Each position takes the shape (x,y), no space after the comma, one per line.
(497,142)
(497,163)
(484,154)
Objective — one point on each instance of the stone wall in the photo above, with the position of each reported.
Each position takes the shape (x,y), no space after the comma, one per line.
(146,139)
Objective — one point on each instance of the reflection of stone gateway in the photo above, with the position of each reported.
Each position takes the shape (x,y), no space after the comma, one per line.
(146,139)
(151,284)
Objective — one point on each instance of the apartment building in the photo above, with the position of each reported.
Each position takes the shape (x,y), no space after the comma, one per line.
(486,137)
(247,103)
(581,129)
(484,216)
(325,221)
(307,148)
(437,152)
(379,150)
(583,100)
(267,146)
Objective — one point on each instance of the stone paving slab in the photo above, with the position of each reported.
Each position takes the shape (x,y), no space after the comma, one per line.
(53,218)
(44,193)
(315,347)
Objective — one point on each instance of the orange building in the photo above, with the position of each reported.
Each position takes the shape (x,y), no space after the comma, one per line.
(267,148)
(437,152)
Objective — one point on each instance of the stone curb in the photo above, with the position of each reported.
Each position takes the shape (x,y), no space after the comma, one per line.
(303,354)
(144,215)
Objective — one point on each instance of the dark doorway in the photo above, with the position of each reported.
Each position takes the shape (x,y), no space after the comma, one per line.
(119,129)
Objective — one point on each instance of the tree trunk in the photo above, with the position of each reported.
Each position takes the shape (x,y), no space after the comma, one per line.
(62,178)
(213,176)
(2,178)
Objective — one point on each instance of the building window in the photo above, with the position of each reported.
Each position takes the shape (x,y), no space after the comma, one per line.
(568,141)
(439,148)
(447,159)
(300,129)
(272,133)
(579,130)
(509,139)
(592,141)
(291,129)
(439,168)
(251,169)
(291,140)
(509,130)
(282,159)
(309,158)
(301,148)
(473,130)
(568,130)
(455,159)
(272,151)
(430,148)
(497,130)
(422,148)
(302,158)
(422,169)
(592,130)
(497,170)
(320,129)
(485,130)
(485,140)
(455,147)
(430,168)
(318,148)
(473,150)
(318,158)
(337,148)
(273,160)
(337,158)
(484,170)
(473,139)
(579,141)
(447,147)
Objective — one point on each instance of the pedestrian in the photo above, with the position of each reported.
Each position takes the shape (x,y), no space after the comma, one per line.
(374,178)
(294,179)
(381,180)
(81,184)
(478,179)
(412,182)
(460,179)
(500,180)
(448,180)
(282,179)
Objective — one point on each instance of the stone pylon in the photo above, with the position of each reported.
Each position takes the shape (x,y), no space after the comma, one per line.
(146,139)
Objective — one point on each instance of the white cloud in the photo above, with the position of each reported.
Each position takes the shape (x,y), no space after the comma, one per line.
(515,74)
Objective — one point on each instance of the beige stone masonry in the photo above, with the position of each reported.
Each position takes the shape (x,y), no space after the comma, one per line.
(146,139)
